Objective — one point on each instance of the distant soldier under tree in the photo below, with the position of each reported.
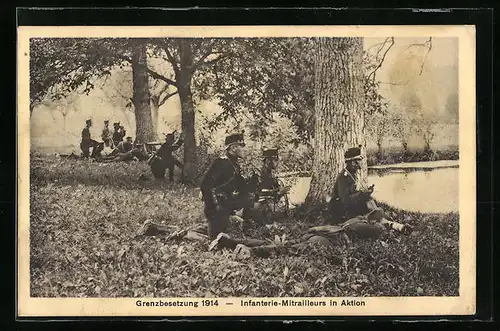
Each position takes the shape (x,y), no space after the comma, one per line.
(119,133)
(164,158)
(106,135)
(87,142)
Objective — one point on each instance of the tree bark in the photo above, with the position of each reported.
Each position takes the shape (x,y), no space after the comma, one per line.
(155,106)
(379,149)
(183,78)
(338,107)
(141,97)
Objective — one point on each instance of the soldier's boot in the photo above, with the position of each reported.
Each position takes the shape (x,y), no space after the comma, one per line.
(242,252)
(379,216)
(144,228)
(216,243)
(403,228)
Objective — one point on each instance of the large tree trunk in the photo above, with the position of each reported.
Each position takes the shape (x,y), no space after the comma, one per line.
(339,100)
(190,169)
(155,106)
(141,98)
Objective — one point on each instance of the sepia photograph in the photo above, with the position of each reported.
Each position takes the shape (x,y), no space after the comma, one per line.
(246,171)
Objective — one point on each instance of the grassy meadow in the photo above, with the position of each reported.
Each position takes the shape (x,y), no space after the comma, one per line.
(83,243)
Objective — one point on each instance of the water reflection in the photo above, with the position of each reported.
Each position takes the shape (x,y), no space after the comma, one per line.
(434,191)
(429,191)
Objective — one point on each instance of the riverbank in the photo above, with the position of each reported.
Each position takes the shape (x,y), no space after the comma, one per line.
(84,217)
(396,155)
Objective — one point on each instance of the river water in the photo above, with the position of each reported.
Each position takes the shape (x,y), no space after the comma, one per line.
(427,191)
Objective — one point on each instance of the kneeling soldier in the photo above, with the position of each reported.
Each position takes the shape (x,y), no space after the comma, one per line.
(223,188)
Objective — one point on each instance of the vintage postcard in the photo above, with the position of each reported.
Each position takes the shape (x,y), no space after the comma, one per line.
(246,171)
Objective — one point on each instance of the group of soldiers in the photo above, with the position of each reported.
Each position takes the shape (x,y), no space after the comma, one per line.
(225,191)
(125,149)
(351,210)
(110,139)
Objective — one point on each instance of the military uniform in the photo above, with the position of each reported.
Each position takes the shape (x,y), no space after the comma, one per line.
(357,212)
(164,159)
(106,135)
(347,201)
(125,146)
(269,193)
(224,190)
(118,133)
(87,142)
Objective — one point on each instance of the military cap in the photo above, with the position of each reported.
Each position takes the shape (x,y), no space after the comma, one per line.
(106,121)
(88,121)
(270,153)
(353,153)
(235,138)
(116,123)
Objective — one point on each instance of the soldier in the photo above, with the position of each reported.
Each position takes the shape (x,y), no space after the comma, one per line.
(139,151)
(354,206)
(270,189)
(128,151)
(106,135)
(164,159)
(125,146)
(87,142)
(118,133)
(223,188)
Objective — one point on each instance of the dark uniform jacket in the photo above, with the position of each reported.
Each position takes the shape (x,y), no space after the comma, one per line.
(223,182)
(346,199)
(118,135)
(86,134)
(166,150)
(268,186)
(125,147)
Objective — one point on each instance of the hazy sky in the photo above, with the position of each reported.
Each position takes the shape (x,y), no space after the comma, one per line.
(444,51)
(431,74)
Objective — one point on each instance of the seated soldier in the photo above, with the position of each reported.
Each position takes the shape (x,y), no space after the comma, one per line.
(139,151)
(124,151)
(270,191)
(125,146)
(349,204)
(87,142)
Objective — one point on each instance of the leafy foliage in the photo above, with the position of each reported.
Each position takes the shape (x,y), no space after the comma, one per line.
(270,76)
(59,66)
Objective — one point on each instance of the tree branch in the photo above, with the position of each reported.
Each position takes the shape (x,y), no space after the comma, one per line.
(396,84)
(152,73)
(202,61)
(172,60)
(163,90)
(425,57)
(166,97)
(383,58)
(164,44)
(427,44)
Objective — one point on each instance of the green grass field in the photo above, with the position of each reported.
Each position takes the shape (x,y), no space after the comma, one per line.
(84,217)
